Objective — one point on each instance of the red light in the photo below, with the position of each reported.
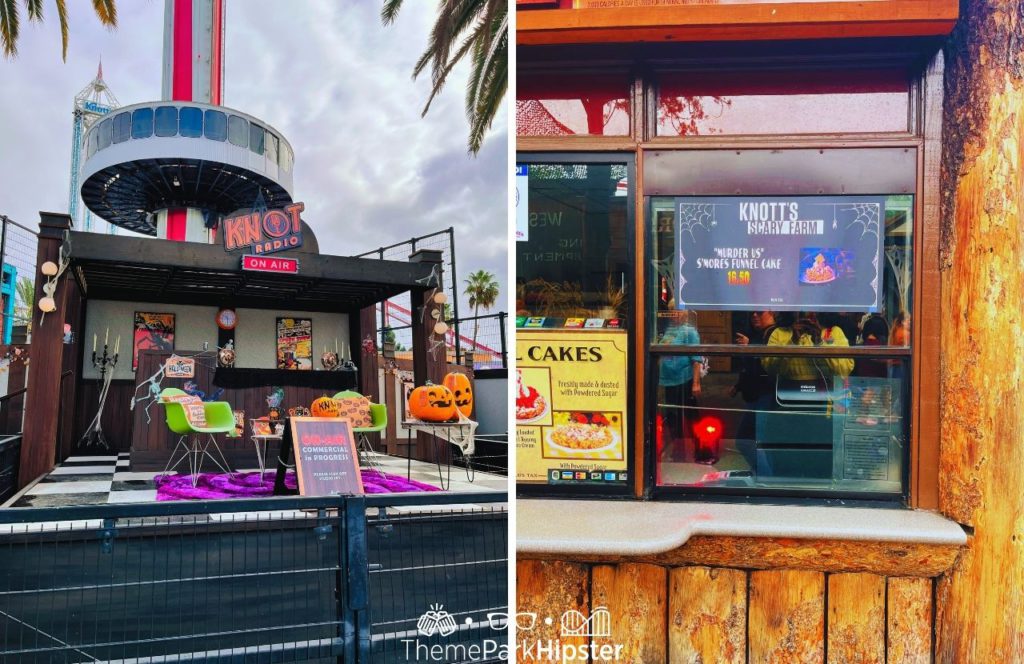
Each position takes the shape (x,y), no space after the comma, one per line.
(711,429)
(708,429)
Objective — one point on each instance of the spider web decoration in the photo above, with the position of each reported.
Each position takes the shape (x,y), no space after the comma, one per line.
(868,215)
(693,215)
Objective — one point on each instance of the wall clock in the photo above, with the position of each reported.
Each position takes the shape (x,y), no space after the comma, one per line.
(227,319)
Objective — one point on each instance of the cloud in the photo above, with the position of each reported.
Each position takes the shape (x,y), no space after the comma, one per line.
(334,81)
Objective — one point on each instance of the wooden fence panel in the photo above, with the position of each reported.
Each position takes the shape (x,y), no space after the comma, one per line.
(548,590)
(856,619)
(707,608)
(636,596)
(786,617)
(910,621)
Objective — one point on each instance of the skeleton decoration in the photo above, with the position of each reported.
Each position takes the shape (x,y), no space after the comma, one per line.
(152,386)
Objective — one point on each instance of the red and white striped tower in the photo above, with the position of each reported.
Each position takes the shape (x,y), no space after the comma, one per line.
(193,70)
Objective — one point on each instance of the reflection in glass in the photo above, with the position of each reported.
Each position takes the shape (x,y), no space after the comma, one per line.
(166,121)
(823,423)
(238,131)
(215,126)
(122,127)
(142,123)
(575,261)
(191,121)
(783,102)
(256,138)
(105,132)
(596,105)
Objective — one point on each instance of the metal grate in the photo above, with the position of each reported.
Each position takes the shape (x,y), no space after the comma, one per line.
(281,579)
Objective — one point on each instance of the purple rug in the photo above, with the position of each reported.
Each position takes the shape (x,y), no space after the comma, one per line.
(218,486)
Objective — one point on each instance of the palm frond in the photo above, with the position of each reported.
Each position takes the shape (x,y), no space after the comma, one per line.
(10,24)
(35,9)
(62,17)
(106,10)
(389,12)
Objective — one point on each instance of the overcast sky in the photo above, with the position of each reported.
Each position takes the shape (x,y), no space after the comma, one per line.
(326,74)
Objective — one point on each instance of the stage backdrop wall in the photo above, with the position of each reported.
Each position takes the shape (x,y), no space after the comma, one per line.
(255,335)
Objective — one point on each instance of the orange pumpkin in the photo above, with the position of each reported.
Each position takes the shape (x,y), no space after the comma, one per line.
(462,390)
(432,403)
(324,407)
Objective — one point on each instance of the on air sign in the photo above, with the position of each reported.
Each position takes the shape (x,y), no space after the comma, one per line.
(264,232)
(265,264)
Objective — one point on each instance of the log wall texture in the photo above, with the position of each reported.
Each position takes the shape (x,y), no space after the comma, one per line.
(980,601)
(711,615)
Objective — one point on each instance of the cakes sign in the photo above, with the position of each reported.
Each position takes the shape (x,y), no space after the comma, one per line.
(264,231)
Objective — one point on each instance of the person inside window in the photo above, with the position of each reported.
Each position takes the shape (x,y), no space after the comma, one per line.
(807,330)
(680,378)
(874,333)
(901,329)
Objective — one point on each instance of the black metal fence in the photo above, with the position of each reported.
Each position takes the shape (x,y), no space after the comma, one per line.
(353,579)
(18,251)
(486,337)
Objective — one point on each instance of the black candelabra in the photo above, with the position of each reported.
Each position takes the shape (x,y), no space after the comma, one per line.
(106,363)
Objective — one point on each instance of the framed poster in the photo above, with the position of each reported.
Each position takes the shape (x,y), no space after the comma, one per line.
(295,344)
(571,407)
(152,332)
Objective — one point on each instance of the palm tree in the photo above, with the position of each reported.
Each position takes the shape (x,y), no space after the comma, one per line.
(24,300)
(482,291)
(478,28)
(10,21)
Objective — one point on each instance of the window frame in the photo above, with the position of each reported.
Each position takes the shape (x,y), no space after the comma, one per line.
(633,469)
(924,137)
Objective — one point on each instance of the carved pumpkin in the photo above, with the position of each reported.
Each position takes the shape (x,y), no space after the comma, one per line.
(432,403)
(462,390)
(324,407)
(274,414)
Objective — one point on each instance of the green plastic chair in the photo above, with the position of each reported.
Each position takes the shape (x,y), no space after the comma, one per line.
(379,419)
(220,418)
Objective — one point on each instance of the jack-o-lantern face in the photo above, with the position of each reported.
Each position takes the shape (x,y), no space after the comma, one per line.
(324,407)
(462,390)
(432,403)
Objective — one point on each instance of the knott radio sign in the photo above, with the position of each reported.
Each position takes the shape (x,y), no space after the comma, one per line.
(264,232)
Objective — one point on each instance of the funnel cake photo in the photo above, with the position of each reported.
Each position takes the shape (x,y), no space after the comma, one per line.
(530,404)
(818,266)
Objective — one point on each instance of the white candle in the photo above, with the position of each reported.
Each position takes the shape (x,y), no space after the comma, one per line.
(106,337)
(94,343)
(117,344)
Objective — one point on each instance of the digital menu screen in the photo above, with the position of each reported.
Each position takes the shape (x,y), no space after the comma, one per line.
(754,253)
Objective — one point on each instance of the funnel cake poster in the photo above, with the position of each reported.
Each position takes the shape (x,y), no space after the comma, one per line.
(753,253)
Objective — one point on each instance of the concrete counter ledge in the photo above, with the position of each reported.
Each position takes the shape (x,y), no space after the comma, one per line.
(832,539)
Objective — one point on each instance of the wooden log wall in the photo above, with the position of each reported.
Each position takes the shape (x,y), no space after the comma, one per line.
(705,615)
(980,602)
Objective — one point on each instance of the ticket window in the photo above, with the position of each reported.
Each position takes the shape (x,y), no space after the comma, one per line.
(574,258)
(798,306)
